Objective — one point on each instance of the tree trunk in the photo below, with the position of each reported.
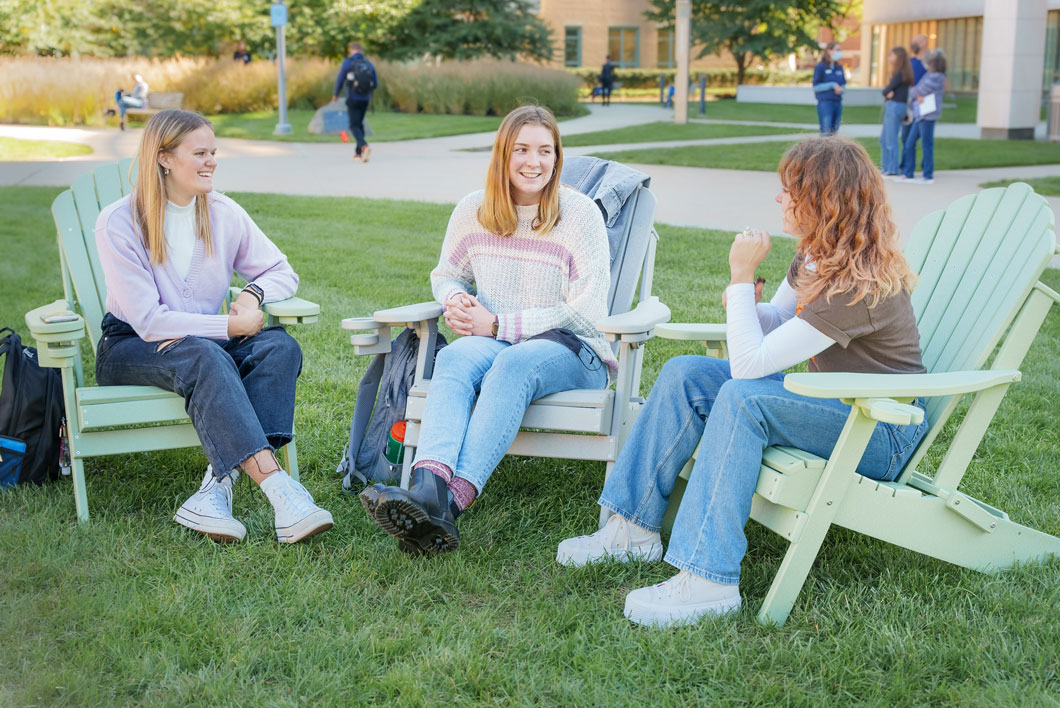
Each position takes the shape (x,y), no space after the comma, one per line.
(741,66)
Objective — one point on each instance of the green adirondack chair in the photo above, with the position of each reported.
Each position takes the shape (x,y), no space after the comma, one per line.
(978,263)
(96,415)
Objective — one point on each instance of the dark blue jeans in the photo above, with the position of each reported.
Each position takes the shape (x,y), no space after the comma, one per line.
(239,393)
(925,131)
(356,111)
(828,115)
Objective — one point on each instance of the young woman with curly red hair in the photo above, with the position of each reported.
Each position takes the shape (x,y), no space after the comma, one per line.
(844,306)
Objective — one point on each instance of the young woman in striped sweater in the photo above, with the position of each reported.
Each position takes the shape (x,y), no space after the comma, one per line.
(523,274)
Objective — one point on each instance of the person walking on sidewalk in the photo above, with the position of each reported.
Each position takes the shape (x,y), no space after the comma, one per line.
(358,76)
(926,99)
(607,81)
(168,251)
(829,81)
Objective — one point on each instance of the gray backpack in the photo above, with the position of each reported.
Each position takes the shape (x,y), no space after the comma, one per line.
(381,398)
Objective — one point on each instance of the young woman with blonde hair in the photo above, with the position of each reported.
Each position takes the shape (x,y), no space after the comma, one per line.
(168,252)
(844,306)
(523,274)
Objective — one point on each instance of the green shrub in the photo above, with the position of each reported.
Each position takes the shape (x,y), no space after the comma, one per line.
(68,91)
(649,78)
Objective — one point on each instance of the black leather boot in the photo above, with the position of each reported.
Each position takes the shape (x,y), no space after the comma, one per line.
(369,500)
(424,514)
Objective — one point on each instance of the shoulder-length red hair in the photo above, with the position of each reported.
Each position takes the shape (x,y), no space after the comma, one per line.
(497,212)
(845,227)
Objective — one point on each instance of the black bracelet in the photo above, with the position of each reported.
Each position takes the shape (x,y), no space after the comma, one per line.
(256,291)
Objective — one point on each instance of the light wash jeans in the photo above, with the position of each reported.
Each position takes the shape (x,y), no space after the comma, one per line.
(894,112)
(239,393)
(829,113)
(696,398)
(506,378)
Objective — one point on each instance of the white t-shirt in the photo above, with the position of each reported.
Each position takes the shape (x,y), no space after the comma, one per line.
(180,236)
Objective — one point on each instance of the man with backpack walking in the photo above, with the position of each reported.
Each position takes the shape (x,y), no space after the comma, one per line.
(358,76)
(607,80)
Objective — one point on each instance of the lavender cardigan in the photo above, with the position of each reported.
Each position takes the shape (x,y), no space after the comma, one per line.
(157,303)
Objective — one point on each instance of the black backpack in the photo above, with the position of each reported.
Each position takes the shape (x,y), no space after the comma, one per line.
(31,416)
(359,77)
(381,398)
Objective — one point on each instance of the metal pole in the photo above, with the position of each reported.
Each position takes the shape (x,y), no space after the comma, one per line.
(682,37)
(702,94)
(662,89)
(282,127)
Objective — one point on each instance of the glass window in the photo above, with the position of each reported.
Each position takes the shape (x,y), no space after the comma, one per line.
(665,55)
(572,48)
(1052,50)
(624,46)
(960,39)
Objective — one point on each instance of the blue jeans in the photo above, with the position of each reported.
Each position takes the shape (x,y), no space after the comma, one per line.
(355,110)
(506,378)
(828,115)
(894,112)
(695,399)
(127,102)
(239,393)
(925,131)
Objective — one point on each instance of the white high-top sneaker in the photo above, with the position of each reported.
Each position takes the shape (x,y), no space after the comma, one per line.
(683,599)
(209,510)
(618,540)
(297,516)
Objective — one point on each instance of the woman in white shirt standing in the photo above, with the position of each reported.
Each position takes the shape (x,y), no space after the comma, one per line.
(844,306)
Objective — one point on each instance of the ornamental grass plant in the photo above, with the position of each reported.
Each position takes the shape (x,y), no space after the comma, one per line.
(68,91)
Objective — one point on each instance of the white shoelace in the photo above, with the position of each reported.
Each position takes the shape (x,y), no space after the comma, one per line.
(679,586)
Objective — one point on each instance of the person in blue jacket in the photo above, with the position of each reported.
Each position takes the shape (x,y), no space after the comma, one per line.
(358,75)
(926,100)
(829,81)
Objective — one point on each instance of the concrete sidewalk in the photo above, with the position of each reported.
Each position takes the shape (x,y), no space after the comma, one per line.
(442,170)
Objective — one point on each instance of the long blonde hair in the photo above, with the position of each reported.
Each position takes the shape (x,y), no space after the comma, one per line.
(497,212)
(840,207)
(163,133)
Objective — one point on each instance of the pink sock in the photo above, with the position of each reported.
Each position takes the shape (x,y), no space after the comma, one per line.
(464,492)
(438,468)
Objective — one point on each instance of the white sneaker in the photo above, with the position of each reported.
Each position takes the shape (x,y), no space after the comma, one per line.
(683,599)
(923,180)
(209,510)
(902,178)
(618,540)
(297,517)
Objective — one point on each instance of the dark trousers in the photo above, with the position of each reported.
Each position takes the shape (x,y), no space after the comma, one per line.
(239,393)
(605,92)
(923,130)
(356,111)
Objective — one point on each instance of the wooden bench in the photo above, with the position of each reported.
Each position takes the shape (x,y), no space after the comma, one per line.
(157,101)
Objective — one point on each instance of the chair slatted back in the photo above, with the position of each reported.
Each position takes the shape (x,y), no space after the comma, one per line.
(75,212)
(631,263)
(977,263)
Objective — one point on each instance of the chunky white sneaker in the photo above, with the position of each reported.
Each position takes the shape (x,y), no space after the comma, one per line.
(209,510)
(683,599)
(297,517)
(924,180)
(618,540)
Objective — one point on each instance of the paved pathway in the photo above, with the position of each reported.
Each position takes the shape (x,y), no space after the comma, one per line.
(444,169)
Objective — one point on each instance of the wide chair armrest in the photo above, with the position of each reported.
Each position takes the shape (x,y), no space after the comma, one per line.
(293,310)
(376,341)
(846,385)
(408,315)
(58,341)
(693,331)
(637,324)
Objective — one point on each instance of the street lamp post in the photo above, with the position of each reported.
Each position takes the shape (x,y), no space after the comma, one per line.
(278,16)
(682,37)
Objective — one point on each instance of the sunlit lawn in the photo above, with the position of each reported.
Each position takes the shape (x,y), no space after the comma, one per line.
(17,149)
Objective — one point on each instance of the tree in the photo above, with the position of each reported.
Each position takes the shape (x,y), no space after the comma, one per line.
(753,28)
(466,29)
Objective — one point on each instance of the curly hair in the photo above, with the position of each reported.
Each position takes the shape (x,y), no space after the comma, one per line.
(840,208)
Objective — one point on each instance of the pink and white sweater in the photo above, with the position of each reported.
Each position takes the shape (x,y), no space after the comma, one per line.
(532,281)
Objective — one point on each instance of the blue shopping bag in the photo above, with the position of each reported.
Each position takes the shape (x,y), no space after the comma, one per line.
(12,452)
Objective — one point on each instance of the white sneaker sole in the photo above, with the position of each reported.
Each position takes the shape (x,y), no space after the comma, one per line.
(578,557)
(220,530)
(317,522)
(656,616)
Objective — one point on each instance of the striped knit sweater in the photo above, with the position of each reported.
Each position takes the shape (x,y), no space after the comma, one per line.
(533,282)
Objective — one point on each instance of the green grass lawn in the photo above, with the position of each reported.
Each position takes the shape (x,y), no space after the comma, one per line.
(386,126)
(1046,186)
(131,609)
(950,154)
(960,110)
(18,150)
(665,130)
